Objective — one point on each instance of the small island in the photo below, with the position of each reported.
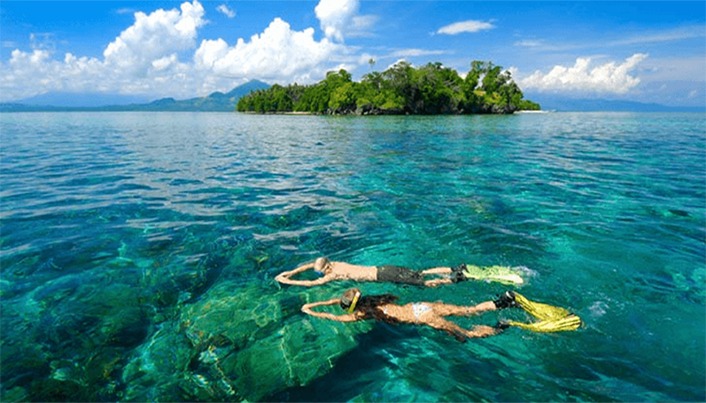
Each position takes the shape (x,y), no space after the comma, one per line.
(402,89)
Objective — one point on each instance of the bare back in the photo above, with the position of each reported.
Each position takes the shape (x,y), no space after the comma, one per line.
(409,313)
(433,315)
(425,312)
(346,271)
(428,313)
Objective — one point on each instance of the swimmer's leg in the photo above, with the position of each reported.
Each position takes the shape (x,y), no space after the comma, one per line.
(442,309)
(438,271)
(460,333)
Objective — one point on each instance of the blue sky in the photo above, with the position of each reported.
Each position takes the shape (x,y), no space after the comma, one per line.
(641,51)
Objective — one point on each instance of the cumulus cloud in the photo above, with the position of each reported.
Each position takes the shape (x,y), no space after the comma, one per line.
(225,10)
(143,59)
(609,77)
(158,56)
(470,26)
(154,36)
(278,54)
(336,16)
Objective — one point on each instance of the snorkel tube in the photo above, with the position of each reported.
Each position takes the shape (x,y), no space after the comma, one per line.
(349,300)
(354,302)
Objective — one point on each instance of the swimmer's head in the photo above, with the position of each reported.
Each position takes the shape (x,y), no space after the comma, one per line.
(349,300)
(322,265)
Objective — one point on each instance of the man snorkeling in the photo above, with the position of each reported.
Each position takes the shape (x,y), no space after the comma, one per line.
(433,314)
(433,277)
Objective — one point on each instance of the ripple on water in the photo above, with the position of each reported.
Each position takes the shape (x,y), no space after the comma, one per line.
(138,253)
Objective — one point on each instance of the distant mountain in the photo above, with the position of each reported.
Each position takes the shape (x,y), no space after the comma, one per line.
(80,100)
(220,102)
(215,102)
(564,104)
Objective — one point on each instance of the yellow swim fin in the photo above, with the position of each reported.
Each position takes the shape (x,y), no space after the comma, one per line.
(568,323)
(551,318)
(543,312)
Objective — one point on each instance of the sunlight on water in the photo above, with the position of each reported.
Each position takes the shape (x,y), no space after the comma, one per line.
(138,252)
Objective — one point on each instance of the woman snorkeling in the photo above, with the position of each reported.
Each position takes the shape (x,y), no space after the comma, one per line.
(433,277)
(433,314)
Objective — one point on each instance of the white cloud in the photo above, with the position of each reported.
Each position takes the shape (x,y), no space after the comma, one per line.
(402,53)
(605,78)
(362,22)
(669,35)
(225,10)
(470,26)
(687,68)
(158,56)
(530,43)
(42,40)
(336,16)
(165,62)
(155,36)
(143,59)
(398,61)
(278,54)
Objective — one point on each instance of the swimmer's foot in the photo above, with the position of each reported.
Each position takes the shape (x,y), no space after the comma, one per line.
(457,274)
(506,300)
(501,325)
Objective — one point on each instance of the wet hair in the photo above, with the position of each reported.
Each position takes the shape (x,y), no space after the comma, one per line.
(322,265)
(368,305)
(347,297)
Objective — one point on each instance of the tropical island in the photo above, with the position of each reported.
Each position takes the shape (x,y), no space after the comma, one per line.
(401,89)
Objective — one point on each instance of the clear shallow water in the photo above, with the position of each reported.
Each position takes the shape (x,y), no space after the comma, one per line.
(138,251)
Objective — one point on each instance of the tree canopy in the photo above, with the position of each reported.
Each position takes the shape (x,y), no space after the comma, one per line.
(402,89)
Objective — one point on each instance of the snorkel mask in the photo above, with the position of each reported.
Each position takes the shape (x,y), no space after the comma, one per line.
(349,303)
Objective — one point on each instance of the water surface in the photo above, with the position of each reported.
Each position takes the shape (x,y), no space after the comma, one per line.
(138,251)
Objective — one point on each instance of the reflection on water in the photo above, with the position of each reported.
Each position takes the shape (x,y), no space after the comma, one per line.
(137,253)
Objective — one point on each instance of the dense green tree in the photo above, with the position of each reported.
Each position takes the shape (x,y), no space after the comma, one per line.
(343,99)
(430,89)
(436,89)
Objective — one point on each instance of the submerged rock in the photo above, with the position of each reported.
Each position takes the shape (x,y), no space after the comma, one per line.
(156,370)
(93,337)
(248,343)
(70,336)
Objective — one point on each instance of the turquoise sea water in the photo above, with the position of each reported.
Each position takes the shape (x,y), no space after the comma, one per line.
(138,251)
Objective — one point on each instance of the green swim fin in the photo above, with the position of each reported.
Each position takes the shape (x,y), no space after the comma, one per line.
(499,274)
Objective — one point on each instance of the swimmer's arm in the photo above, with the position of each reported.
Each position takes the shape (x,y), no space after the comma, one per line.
(325,315)
(285,277)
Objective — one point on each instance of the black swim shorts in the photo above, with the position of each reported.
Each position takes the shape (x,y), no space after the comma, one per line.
(397,274)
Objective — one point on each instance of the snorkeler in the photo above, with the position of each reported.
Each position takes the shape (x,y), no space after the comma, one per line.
(383,308)
(395,274)
(433,314)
